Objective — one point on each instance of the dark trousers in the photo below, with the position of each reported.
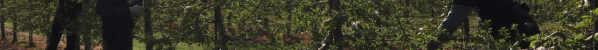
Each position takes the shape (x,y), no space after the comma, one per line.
(525,25)
(117,32)
(55,36)
(58,26)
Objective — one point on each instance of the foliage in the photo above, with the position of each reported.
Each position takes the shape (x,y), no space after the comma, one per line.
(303,24)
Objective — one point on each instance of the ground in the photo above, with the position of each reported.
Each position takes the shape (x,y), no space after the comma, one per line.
(40,43)
(38,39)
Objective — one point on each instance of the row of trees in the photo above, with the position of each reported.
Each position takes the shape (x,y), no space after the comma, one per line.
(25,17)
(299,24)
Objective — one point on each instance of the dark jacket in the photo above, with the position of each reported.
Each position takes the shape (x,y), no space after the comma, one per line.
(502,13)
(112,8)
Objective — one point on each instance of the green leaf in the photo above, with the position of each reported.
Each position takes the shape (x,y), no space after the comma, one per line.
(569,40)
(586,17)
(532,44)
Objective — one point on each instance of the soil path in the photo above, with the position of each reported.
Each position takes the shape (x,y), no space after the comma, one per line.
(39,41)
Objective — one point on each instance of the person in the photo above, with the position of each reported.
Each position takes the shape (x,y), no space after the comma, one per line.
(117,23)
(500,14)
(67,13)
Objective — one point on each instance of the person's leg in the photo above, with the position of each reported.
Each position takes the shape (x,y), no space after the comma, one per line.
(515,35)
(108,28)
(72,38)
(72,41)
(118,33)
(116,37)
(126,39)
(105,36)
(441,38)
(127,33)
(529,30)
(495,27)
(55,35)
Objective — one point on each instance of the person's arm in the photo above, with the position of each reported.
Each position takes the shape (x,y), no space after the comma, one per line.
(134,2)
(455,17)
(104,8)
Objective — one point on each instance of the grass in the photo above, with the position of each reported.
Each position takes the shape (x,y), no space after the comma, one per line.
(138,45)
(185,46)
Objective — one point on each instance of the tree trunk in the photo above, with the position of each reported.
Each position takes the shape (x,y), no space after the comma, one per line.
(148,32)
(336,33)
(2,19)
(31,44)
(14,32)
(87,41)
(289,22)
(221,42)
(148,26)
(87,37)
